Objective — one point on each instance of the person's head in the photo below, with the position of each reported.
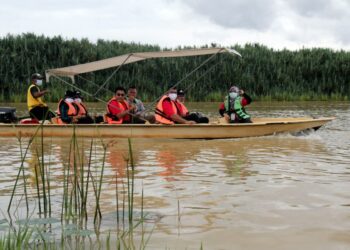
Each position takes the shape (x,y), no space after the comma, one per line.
(69,96)
(37,79)
(234,92)
(172,93)
(120,93)
(77,96)
(132,92)
(181,95)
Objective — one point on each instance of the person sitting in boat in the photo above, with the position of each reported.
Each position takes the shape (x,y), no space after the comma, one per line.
(37,108)
(183,111)
(166,111)
(82,111)
(118,109)
(139,115)
(67,112)
(233,106)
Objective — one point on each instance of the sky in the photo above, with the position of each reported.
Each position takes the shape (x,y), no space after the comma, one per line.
(279,24)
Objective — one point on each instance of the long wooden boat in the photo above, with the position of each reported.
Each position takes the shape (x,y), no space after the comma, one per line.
(259,127)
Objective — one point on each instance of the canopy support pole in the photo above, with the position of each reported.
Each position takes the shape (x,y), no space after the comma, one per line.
(114,72)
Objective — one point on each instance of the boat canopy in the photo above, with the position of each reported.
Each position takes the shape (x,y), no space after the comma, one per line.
(71,71)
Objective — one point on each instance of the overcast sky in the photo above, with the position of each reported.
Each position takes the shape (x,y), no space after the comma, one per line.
(291,24)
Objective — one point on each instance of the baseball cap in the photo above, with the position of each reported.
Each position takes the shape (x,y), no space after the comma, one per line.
(36,76)
(180,92)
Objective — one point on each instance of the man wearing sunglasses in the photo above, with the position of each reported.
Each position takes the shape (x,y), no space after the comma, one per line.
(118,109)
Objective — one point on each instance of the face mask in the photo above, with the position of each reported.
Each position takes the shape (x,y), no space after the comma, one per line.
(233,95)
(39,82)
(173,96)
(77,100)
(70,100)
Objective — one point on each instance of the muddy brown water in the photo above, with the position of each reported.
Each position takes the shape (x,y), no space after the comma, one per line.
(274,192)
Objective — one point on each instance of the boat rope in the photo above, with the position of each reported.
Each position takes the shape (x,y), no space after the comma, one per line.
(114,72)
(184,78)
(93,83)
(150,106)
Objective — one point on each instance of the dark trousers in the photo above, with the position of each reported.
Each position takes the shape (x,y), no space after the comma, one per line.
(242,121)
(41,113)
(136,120)
(198,118)
(85,120)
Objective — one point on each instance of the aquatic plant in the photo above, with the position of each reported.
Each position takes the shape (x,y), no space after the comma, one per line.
(48,226)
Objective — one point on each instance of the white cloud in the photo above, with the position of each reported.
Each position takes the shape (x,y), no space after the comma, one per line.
(169,23)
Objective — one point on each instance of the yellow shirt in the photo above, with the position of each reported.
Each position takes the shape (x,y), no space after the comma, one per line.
(33,102)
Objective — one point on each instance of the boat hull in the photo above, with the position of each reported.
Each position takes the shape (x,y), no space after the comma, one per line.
(260,127)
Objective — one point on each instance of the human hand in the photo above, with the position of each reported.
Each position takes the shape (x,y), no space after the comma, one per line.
(241,91)
(132,107)
(227,118)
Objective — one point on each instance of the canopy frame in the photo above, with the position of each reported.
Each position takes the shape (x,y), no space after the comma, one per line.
(71,71)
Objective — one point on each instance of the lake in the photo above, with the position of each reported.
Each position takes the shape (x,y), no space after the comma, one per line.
(273,192)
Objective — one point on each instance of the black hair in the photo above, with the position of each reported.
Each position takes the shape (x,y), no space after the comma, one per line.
(69,93)
(132,87)
(119,88)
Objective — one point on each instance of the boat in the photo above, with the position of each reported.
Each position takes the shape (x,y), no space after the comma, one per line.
(215,130)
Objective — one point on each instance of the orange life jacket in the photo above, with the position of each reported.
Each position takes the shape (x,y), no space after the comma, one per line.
(109,116)
(72,111)
(160,116)
(181,109)
(82,110)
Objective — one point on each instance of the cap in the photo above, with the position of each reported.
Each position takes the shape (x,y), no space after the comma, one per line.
(69,93)
(36,76)
(180,92)
(234,89)
(77,93)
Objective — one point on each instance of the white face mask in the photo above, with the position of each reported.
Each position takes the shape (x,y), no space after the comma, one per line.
(77,100)
(233,95)
(173,96)
(39,82)
(70,100)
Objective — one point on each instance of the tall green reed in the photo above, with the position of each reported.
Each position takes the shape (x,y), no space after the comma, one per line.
(77,179)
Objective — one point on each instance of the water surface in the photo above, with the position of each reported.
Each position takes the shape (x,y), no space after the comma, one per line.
(274,192)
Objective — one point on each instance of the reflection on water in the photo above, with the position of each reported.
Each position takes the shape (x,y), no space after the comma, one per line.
(276,192)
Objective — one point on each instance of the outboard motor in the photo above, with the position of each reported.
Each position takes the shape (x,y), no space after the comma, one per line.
(7,115)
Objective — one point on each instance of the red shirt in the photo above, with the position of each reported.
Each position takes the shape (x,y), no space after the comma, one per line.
(168,108)
(114,109)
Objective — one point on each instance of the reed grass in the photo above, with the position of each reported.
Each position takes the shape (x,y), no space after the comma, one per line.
(72,227)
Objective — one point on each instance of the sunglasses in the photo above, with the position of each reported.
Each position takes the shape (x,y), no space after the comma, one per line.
(120,94)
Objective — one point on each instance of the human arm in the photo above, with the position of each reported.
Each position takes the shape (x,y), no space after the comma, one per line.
(117,112)
(168,110)
(246,99)
(64,113)
(140,107)
(222,109)
(36,93)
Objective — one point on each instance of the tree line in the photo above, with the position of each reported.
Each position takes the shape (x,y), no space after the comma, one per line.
(264,73)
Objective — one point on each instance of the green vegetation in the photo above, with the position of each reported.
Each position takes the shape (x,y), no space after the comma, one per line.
(267,74)
(76,222)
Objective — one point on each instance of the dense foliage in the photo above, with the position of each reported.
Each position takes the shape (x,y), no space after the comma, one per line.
(307,74)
